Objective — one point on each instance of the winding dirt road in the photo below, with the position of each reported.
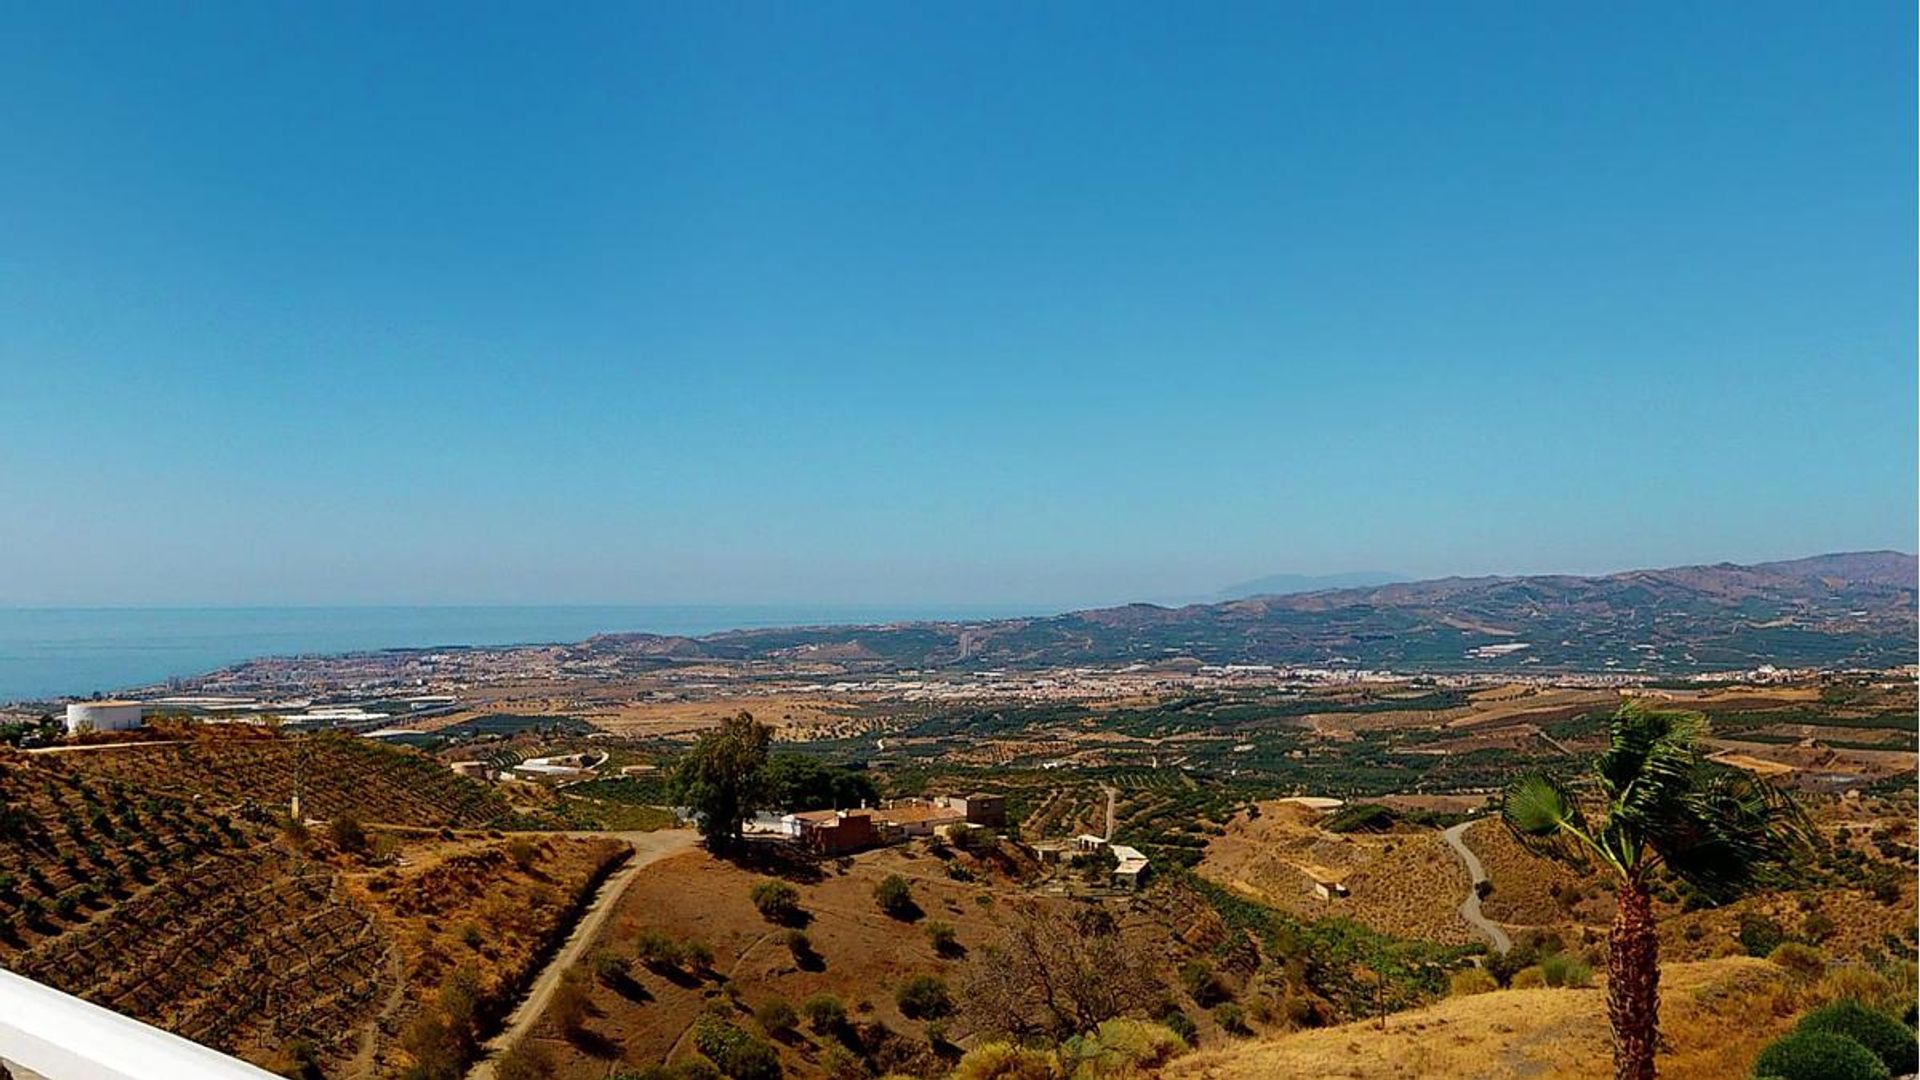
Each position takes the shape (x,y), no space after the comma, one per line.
(648,848)
(1470,907)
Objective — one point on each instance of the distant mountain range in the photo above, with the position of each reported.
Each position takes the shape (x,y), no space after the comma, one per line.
(1288,584)
(1844,610)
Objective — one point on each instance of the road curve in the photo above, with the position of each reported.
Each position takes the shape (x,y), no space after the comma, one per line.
(648,847)
(1470,907)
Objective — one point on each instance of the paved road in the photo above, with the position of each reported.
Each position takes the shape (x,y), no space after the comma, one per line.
(1470,908)
(648,847)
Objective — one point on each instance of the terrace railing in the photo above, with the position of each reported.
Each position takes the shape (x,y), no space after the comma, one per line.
(47,1034)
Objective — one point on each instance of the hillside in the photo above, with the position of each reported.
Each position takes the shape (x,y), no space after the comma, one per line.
(154,880)
(1845,610)
(1715,1017)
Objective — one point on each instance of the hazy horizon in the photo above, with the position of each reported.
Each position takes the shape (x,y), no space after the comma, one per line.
(883,304)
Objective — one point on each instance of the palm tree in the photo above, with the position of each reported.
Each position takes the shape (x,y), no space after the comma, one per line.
(1660,806)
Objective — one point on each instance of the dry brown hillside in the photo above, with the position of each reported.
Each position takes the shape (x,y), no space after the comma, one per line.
(1404,884)
(1715,1017)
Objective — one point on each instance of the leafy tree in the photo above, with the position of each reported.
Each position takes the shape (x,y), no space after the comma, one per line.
(800,782)
(778,901)
(895,897)
(824,1012)
(1658,804)
(723,778)
(924,997)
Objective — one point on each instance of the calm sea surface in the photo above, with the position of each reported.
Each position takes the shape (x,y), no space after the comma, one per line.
(46,652)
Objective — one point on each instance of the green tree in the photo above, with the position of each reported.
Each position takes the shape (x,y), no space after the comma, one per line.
(723,778)
(1652,802)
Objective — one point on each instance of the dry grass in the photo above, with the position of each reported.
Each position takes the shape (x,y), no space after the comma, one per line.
(1715,1017)
(1405,884)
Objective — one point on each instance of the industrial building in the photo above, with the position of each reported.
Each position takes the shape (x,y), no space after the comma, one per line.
(104,716)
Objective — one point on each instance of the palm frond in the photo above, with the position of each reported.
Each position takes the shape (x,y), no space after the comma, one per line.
(1646,745)
(1544,817)
(1731,832)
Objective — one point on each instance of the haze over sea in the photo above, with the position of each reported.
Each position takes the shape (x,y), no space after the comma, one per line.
(48,652)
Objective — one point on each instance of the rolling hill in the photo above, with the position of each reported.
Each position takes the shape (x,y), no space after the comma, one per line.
(1842,610)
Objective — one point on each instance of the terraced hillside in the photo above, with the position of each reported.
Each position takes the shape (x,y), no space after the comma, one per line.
(335,775)
(178,915)
(296,948)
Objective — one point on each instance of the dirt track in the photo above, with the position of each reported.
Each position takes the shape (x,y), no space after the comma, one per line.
(648,848)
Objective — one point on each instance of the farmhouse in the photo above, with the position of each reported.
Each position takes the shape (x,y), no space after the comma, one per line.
(834,832)
(1132,868)
(989,811)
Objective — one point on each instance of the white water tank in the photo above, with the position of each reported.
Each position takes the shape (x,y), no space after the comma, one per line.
(104,715)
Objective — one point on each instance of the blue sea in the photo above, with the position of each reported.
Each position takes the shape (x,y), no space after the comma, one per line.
(51,652)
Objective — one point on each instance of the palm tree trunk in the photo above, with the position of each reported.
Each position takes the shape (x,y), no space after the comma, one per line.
(1633,984)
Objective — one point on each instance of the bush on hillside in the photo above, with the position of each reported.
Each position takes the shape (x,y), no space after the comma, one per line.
(824,1012)
(941,936)
(1005,1061)
(1804,962)
(1122,1047)
(895,897)
(1818,1055)
(1889,1040)
(1532,978)
(1471,980)
(778,901)
(525,1061)
(775,1016)
(1561,970)
(1760,935)
(924,997)
(738,1053)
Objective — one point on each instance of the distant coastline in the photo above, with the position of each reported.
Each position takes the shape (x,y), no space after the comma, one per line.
(47,653)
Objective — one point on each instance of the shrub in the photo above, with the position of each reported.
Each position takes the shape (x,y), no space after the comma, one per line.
(924,997)
(839,1063)
(1005,1061)
(1759,935)
(347,834)
(775,1016)
(1853,983)
(1122,1048)
(1817,927)
(1471,980)
(1531,978)
(737,1053)
(1818,1055)
(657,949)
(1231,1019)
(1804,962)
(609,967)
(824,1012)
(778,901)
(1561,970)
(941,935)
(570,1000)
(1201,982)
(696,954)
(525,1061)
(1182,1025)
(523,852)
(895,897)
(1889,1040)
(800,945)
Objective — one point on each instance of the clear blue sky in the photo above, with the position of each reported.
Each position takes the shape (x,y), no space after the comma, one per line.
(923,303)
